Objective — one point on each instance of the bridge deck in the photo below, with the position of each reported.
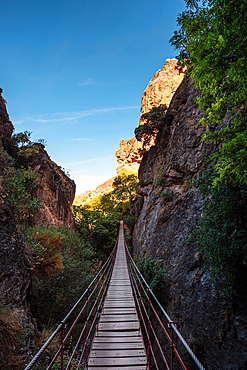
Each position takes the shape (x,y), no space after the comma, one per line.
(118,342)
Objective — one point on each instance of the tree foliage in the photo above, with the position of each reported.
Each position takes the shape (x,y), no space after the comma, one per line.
(60,258)
(223,231)
(153,122)
(124,186)
(19,183)
(212,41)
(99,218)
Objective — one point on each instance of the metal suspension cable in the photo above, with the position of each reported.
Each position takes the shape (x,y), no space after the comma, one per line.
(95,317)
(62,324)
(147,316)
(171,323)
(135,289)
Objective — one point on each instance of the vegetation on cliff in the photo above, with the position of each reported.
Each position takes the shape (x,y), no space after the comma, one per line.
(153,123)
(17,179)
(62,268)
(212,44)
(99,218)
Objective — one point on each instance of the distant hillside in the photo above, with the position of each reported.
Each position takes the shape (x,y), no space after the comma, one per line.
(101,189)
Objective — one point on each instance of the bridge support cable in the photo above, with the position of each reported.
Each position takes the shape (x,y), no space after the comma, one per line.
(143,292)
(118,343)
(100,284)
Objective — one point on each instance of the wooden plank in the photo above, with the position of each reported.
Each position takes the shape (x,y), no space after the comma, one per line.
(113,326)
(131,361)
(119,304)
(119,318)
(117,345)
(117,353)
(121,339)
(118,311)
(119,295)
(119,367)
(118,334)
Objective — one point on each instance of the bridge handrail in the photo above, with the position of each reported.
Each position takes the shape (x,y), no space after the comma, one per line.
(62,324)
(171,323)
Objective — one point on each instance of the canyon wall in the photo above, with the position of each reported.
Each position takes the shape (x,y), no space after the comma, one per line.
(159,90)
(167,211)
(56,190)
(129,156)
(161,87)
(6,127)
(57,193)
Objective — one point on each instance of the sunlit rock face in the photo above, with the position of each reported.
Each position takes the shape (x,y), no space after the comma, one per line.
(55,189)
(129,156)
(167,212)
(162,87)
(159,90)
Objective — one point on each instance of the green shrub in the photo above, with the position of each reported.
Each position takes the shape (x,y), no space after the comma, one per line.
(153,273)
(167,195)
(19,184)
(61,287)
(222,231)
(130,221)
(45,246)
(159,176)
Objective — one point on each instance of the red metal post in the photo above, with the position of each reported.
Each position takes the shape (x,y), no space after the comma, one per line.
(86,330)
(62,345)
(171,347)
(149,327)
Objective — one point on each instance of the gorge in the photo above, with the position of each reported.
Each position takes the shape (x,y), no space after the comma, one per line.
(167,210)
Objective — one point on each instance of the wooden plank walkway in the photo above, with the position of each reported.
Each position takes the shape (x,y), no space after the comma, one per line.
(118,342)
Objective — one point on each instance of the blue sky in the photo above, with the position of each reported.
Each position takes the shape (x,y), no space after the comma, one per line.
(73,72)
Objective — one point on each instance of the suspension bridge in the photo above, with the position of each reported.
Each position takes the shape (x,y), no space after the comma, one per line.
(116,325)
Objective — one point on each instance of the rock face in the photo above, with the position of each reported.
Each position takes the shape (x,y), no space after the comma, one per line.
(162,87)
(128,156)
(6,127)
(160,90)
(56,190)
(167,213)
(15,279)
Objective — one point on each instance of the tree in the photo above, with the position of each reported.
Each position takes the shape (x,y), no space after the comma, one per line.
(124,186)
(98,219)
(212,42)
(153,122)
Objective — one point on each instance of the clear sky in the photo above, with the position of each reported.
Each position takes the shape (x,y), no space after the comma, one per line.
(73,72)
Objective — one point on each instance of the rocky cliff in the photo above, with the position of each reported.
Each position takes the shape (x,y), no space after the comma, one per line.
(162,87)
(56,190)
(57,193)
(167,212)
(129,156)
(15,278)
(6,127)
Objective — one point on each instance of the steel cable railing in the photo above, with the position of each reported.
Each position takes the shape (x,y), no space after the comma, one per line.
(99,283)
(138,282)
